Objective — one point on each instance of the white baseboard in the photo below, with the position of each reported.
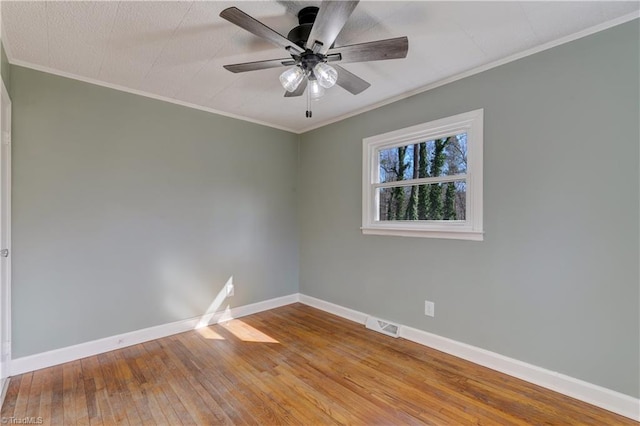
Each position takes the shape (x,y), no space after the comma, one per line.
(83,350)
(599,396)
(332,308)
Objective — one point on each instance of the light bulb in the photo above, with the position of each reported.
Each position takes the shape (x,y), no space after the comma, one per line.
(315,90)
(326,74)
(291,78)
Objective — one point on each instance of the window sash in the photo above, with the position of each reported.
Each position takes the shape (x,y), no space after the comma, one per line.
(375,196)
(421,181)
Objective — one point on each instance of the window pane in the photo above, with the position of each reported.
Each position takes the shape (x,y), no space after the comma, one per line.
(439,157)
(438,201)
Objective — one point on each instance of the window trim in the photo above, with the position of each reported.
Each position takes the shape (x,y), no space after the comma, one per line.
(469,229)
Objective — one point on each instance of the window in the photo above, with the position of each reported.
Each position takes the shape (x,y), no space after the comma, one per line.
(425,180)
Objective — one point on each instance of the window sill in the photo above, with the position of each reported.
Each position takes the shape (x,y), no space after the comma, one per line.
(426,233)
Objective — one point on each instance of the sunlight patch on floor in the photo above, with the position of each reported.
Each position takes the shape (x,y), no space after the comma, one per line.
(208,333)
(246,333)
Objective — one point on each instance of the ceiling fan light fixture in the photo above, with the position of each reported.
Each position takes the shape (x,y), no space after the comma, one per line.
(291,78)
(326,74)
(311,46)
(316,91)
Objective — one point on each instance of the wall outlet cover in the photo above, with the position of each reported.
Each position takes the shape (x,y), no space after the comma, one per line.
(429,308)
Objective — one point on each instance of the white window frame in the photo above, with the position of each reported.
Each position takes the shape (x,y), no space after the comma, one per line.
(470,123)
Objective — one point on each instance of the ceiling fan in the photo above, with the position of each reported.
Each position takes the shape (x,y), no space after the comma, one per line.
(310,46)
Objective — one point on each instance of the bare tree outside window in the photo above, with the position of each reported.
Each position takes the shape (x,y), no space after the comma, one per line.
(434,158)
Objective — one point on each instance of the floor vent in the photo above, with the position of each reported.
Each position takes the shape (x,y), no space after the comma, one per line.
(384,327)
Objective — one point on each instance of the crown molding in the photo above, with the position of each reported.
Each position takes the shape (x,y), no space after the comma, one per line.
(120,88)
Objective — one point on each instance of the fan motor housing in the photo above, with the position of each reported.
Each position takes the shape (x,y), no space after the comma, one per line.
(306,17)
(300,34)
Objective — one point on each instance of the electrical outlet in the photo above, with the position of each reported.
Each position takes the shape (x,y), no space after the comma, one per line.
(230,291)
(429,308)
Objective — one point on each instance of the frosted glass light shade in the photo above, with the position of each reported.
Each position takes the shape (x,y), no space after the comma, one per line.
(326,74)
(316,91)
(291,78)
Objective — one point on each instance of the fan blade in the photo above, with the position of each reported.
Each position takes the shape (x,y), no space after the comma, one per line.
(259,65)
(391,48)
(350,82)
(331,18)
(241,19)
(299,90)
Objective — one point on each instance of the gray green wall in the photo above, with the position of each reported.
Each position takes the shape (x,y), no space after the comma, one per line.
(5,68)
(555,282)
(130,212)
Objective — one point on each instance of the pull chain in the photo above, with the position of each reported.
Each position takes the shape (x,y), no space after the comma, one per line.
(308,113)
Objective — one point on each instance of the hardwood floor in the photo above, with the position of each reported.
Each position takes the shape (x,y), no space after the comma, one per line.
(291,365)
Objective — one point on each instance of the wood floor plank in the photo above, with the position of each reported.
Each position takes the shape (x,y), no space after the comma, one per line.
(11,397)
(35,393)
(57,395)
(160,407)
(189,393)
(241,391)
(191,368)
(46,396)
(231,354)
(22,399)
(172,408)
(292,365)
(81,406)
(124,376)
(336,370)
(98,406)
(209,377)
(113,388)
(135,384)
(68,393)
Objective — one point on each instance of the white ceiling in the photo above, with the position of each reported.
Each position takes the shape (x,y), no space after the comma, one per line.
(175,50)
